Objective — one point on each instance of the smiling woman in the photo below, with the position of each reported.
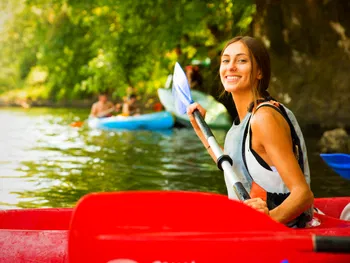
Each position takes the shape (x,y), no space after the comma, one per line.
(265,141)
(246,61)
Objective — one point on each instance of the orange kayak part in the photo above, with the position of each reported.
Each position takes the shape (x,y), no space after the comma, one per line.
(77,124)
(257,191)
(157,107)
(164,226)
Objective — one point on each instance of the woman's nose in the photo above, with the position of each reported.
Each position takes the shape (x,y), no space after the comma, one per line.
(232,66)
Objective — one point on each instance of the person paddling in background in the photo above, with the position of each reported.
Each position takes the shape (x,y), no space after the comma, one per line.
(194,77)
(130,107)
(265,141)
(102,108)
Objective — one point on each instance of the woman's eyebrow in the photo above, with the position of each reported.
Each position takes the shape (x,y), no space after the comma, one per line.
(239,54)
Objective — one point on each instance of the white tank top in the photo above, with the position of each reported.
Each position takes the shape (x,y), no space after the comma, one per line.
(271,180)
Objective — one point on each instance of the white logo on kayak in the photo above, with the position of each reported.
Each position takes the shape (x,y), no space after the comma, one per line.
(121,260)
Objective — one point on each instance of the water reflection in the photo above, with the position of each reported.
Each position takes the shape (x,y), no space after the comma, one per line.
(46,163)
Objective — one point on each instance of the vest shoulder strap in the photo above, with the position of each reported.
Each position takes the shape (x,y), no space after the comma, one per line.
(295,138)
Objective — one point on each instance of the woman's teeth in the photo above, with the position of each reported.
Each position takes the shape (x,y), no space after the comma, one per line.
(232,77)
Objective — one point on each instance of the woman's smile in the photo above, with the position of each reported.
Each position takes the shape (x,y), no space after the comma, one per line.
(232,78)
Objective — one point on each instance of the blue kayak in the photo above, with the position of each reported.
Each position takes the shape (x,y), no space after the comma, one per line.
(339,162)
(154,121)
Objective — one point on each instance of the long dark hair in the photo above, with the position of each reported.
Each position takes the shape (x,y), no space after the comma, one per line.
(259,54)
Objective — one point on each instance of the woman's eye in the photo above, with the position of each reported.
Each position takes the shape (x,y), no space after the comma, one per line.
(225,61)
(242,60)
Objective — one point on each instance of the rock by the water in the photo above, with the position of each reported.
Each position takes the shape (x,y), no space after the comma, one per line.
(335,141)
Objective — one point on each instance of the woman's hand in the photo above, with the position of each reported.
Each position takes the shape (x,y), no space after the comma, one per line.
(191,109)
(258,204)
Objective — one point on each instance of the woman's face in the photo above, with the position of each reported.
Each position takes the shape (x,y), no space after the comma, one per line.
(236,68)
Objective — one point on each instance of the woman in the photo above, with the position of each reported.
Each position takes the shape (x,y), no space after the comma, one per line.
(130,107)
(265,141)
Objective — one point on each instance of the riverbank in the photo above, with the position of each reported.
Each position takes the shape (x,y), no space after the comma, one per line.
(86,103)
(145,104)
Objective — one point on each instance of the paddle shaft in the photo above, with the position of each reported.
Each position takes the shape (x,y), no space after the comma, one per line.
(224,161)
(103,113)
(334,244)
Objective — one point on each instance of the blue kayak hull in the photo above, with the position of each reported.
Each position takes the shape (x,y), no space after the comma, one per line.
(339,162)
(154,121)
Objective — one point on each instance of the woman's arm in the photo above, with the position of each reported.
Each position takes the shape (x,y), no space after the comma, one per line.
(196,128)
(107,112)
(125,110)
(271,136)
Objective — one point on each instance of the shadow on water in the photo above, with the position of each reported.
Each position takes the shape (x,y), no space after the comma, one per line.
(50,164)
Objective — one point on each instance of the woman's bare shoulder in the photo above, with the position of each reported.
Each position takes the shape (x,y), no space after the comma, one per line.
(268,120)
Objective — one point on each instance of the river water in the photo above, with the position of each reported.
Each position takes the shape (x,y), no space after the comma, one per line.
(46,163)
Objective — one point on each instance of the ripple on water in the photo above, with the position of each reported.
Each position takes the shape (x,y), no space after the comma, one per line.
(46,163)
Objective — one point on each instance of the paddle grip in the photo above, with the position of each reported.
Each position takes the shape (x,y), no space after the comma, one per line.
(202,124)
(223,158)
(334,244)
(241,191)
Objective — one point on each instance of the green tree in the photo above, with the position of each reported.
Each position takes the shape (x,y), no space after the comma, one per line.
(87,47)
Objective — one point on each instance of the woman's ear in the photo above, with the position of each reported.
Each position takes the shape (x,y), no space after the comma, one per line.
(259,76)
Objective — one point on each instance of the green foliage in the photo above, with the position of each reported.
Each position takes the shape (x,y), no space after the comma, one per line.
(104,45)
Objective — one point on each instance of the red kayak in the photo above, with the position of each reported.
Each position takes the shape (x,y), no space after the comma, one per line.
(169,226)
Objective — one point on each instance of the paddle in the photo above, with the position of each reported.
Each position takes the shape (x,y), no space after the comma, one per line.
(339,162)
(182,93)
(78,124)
(179,226)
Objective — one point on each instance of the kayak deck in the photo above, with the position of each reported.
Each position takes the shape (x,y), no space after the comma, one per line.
(202,226)
(59,218)
(152,121)
(36,219)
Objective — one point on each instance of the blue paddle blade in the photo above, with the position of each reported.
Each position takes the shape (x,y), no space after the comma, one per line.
(181,90)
